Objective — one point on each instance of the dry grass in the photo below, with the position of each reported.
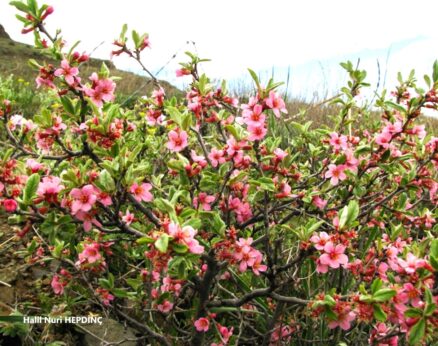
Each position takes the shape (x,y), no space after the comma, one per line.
(14,57)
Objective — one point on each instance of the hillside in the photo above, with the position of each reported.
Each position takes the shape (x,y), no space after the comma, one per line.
(15,55)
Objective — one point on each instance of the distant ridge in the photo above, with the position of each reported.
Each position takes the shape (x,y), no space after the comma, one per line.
(14,57)
(3,33)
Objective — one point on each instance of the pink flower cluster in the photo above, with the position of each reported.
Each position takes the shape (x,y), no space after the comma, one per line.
(82,204)
(204,201)
(202,325)
(90,255)
(70,73)
(333,255)
(185,235)
(177,140)
(342,144)
(254,118)
(247,256)
(102,89)
(142,192)
(49,188)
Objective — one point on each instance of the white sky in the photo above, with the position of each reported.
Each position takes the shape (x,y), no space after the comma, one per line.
(309,36)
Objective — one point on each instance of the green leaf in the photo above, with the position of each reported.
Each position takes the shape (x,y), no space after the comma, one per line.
(19,6)
(162,243)
(379,314)
(435,71)
(106,181)
(329,300)
(417,332)
(119,293)
(123,33)
(104,71)
(413,312)
(231,129)
(265,183)
(312,226)
(104,283)
(384,295)
(430,309)
(180,248)
(136,38)
(144,240)
(134,283)
(31,188)
(376,285)
(255,78)
(68,105)
(396,106)
(349,214)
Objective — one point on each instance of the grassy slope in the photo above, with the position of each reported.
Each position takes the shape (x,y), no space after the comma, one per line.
(14,57)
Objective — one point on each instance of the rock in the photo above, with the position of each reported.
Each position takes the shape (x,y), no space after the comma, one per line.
(110,330)
(39,272)
(3,33)
(8,274)
(7,294)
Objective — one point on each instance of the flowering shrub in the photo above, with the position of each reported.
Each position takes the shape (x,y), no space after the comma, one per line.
(197,223)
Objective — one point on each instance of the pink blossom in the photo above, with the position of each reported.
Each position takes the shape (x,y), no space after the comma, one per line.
(165,306)
(254,117)
(393,128)
(34,165)
(101,90)
(10,205)
(334,255)
(345,317)
(419,131)
(155,117)
(280,154)
(2,187)
(142,192)
(257,266)
(67,71)
(202,324)
(216,157)
(88,220)
(285,190)
(256,132)
(234,146)
(182,72)
(90,253)
(50,186)
(383,139)
(205,201)
(185,235)
(319,202)
(338,142)
(47,82)
(128,218)
(320,240)
(225,332)
(244,244)
(105,296)
(351,162)
(103,198)
(177,140)
(200,160)
(57,286)
(158,95)
(336,173)
(411,264)
(276,103)
(84,198)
